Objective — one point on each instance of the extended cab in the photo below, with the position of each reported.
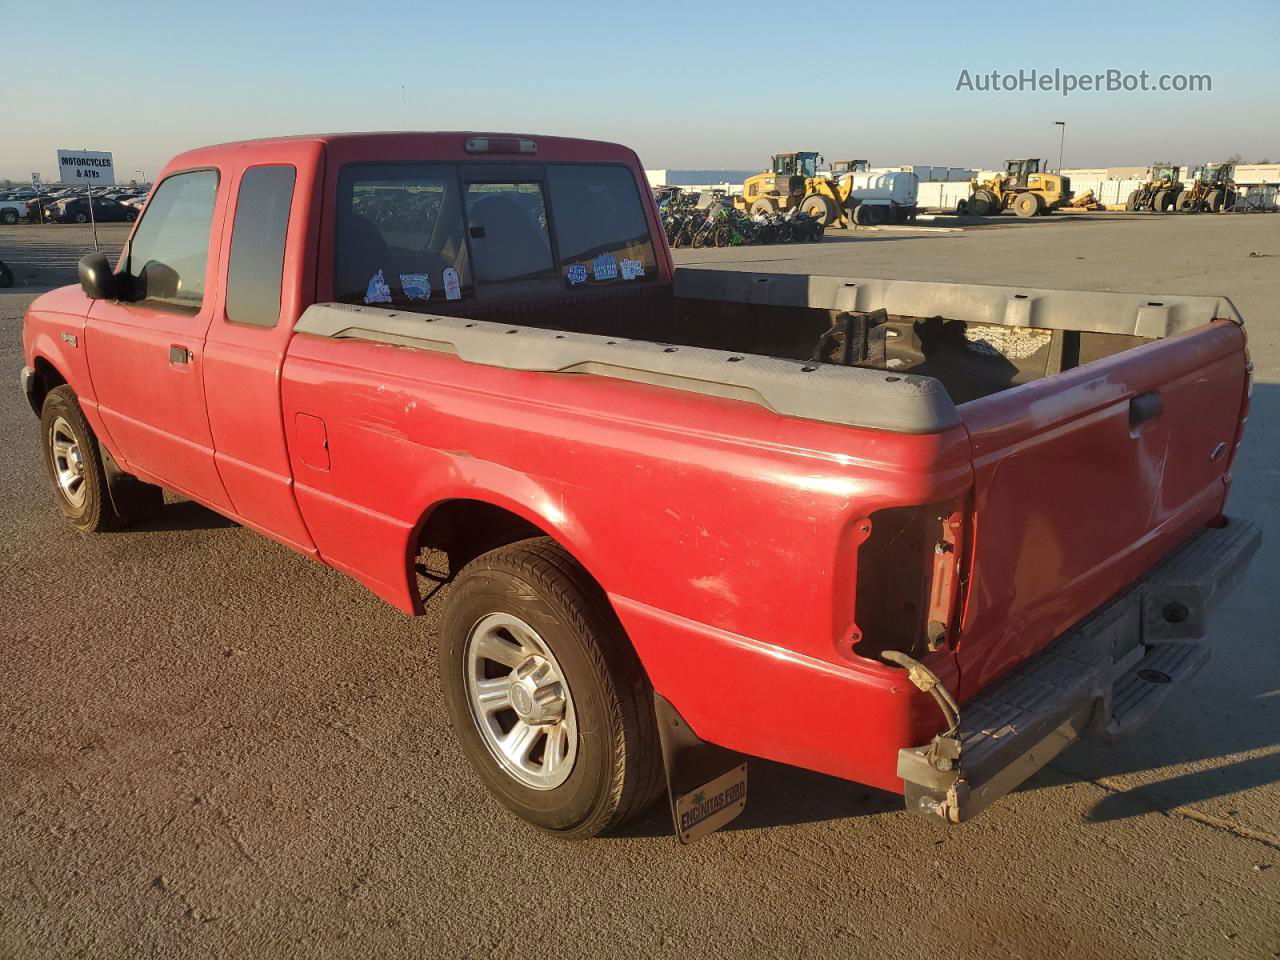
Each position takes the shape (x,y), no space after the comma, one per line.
(918,535)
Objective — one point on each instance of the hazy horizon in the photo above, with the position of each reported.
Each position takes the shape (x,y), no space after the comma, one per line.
(686,85)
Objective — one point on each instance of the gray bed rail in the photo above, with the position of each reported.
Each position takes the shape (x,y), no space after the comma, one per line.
(1153,316)
(857,396)
(850,395)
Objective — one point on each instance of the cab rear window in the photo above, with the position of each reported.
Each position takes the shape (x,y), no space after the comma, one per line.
(415,236)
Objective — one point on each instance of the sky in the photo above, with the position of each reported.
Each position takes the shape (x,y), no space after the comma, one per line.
(687,84)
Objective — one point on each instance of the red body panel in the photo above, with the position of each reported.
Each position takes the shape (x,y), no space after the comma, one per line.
(1073,504)
(725,535)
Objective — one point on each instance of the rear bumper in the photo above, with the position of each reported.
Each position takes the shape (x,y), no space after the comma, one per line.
(1100,680)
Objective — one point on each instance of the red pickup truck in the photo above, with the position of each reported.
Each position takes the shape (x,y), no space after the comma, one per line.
(917,535)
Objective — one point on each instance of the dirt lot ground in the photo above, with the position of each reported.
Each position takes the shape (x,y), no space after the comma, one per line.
(212,747)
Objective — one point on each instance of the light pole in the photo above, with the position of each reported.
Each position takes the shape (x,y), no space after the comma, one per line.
(1061,140)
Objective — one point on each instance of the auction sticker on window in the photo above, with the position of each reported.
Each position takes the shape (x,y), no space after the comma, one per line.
(712,805)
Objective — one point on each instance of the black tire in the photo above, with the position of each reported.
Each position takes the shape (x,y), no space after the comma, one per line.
(10,217)
(130,216)
(1132,203)
(6,275)
(1183,203)
(617,771)
(1214,201)
(95,512)
(1028,205)
(983,203)
(82,218)
(764,205)
(820,207)
(874,214)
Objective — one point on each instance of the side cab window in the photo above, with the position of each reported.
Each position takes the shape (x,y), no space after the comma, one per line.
(257,245)
(169,250)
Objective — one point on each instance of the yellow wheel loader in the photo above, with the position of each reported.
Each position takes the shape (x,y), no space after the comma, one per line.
(1211,189)
(781,187)
(1022,188)
(848,195)
(1159,192)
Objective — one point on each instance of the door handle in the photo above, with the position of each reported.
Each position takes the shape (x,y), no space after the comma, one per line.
(1144,407)
(179,354)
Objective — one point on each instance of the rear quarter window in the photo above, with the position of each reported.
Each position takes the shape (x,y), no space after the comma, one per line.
(257,245)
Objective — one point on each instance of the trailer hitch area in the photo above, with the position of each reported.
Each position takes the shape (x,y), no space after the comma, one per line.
(936,764)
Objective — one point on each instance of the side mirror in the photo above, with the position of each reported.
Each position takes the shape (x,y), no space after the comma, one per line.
(97,279)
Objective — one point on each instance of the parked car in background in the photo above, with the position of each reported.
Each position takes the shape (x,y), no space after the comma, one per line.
(76,210)
(11,211)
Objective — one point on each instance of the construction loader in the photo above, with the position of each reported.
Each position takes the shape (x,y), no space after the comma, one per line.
(1160,191)
(849,194)
(1021,188)
(1211,189)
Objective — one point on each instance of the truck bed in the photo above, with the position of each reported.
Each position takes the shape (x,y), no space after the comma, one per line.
(755,337)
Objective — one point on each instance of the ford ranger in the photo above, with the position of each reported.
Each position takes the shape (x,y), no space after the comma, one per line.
(917,535)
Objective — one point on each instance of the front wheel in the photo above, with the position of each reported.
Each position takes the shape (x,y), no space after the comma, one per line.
(74,463)
(546,695)
(77,470)
(81,218)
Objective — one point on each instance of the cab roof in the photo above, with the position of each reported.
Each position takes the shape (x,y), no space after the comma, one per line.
(442,146)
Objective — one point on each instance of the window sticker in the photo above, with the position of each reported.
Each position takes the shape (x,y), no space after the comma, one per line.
(632,269)
(416,286)
(605,267)
(576,274)
(378,291)
(452,285)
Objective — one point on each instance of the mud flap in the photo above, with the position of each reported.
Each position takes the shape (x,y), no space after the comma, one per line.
(706,784)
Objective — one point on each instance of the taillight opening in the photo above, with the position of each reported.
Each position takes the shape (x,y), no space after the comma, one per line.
(908,579)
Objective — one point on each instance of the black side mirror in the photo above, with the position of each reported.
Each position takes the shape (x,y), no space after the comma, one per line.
(97,279)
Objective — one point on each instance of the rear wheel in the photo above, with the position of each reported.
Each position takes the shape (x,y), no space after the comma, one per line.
(1027,205)
(547,698)
(820,208)
(10,217)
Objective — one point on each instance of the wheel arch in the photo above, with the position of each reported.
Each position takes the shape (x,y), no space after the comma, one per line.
(47,376)
(462,528)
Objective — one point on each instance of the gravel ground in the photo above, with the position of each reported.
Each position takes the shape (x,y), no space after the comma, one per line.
(210,746)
